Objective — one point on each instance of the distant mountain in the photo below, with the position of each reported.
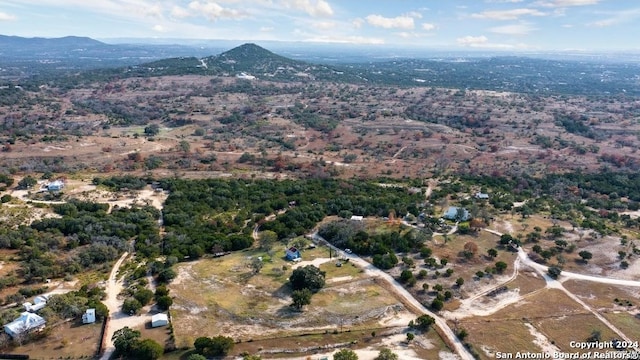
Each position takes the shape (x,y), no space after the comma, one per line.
(15,46)
(246,59)
(253,58)
(23,57)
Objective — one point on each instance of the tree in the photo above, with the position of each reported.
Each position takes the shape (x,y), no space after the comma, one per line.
(164,302)
(424,322)
(492,253)
(152,130)
(27,182)
(585,255)
(308,277)
(148,349)
(125,340)
(301,298)
(256,265)
(184,146)
(459,281)
(437,304)
(252,357)
(386,354)
(345,354)
(554,272)
(470,249)
(410,337)
(131,306)
(405,276)
(267,239)
(196,357)
(143,296)
(501,266)
(215,346)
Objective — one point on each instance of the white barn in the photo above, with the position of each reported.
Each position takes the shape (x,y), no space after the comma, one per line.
(158,320)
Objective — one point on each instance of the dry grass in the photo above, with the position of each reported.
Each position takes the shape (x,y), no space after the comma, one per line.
(627,323)
(550,311)
(220,296)
(161,335)
(601,296)
(69,340)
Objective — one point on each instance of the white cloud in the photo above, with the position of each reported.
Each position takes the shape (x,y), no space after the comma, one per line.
(617,18)
(566,3)
(503,1)
(266,29)
(213,11)
(472,40)
(357,23)
(513,14)
(179,12)
(414,14)
(514,29)
(159,28)
(6,17)
(313,8)
(346,40)
(398,22)
(483,42)
(428,26)
(323,25)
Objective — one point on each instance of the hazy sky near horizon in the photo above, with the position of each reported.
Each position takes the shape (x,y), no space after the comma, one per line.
(591,25)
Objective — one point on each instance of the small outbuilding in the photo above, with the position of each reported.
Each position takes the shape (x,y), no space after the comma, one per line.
(89,316)
(292,254)
(481,196)
(158,320)
(357,218)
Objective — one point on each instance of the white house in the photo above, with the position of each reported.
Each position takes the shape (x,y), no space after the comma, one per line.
(481,196)
(55,185)
(357,217)
(245,76)
(25,323)
(89,316)
(158,320)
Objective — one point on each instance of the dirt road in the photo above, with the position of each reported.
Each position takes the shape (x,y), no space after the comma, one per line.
(557,284)
(400,291)
(118,319)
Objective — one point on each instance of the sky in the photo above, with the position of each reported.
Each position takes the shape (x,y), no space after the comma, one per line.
(509,25)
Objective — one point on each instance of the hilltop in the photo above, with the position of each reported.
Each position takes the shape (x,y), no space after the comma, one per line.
(247,58)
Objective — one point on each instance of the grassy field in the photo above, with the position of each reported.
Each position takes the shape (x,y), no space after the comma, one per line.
(222,296)
(69,340)
(601,295)
(550,312)
(625,322)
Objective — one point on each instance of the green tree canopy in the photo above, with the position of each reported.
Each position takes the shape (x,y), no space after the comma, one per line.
(345,354)
(386,354)
(308,277)
(125,340)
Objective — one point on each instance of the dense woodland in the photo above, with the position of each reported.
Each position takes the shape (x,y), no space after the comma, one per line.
(206,216)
